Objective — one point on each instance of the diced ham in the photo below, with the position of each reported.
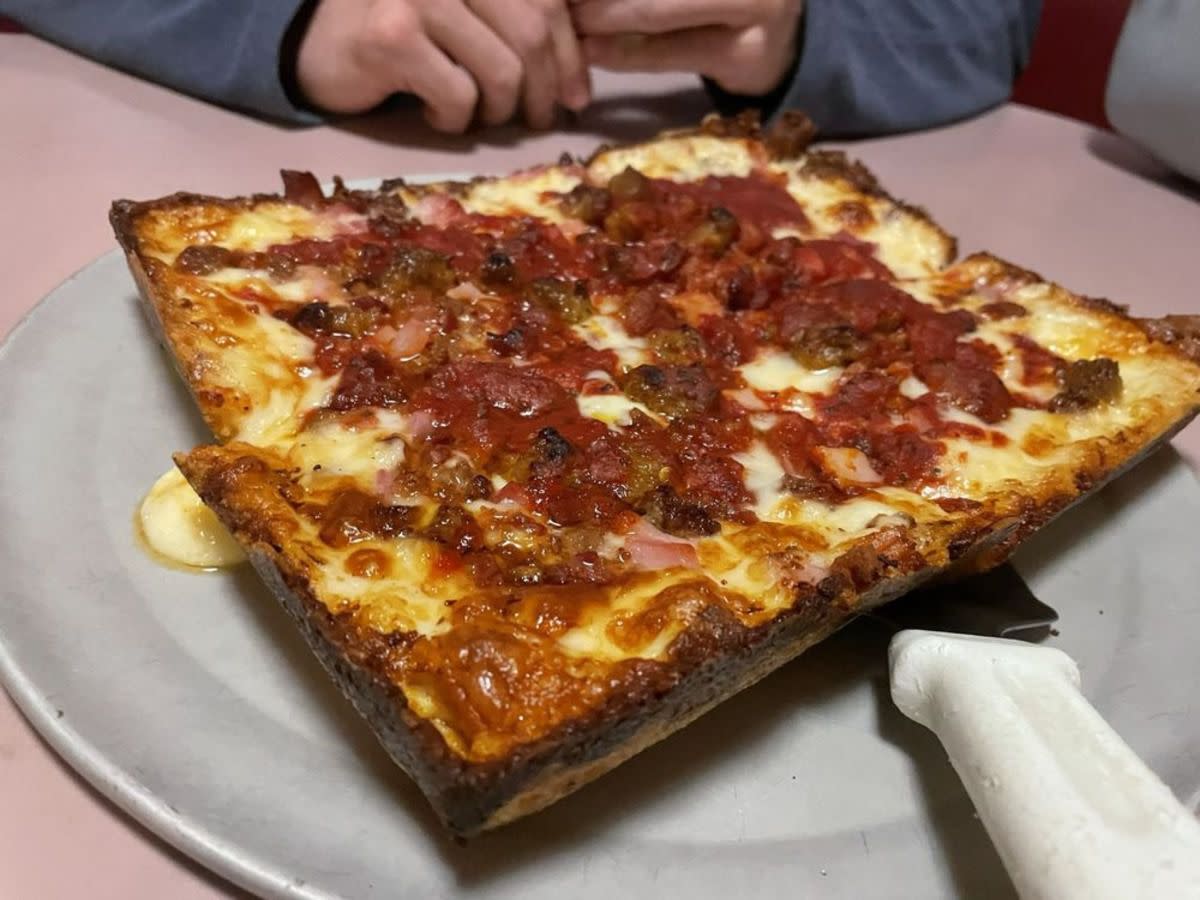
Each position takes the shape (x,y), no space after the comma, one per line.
(343,218)
(385,482)
(466,292)
(418,424)
(651,549)
(848,465)
(409,339)
(438,210)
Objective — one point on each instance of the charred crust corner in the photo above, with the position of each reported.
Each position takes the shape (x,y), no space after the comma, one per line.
(122,215)
(922,214)
(834,164)
(787,138)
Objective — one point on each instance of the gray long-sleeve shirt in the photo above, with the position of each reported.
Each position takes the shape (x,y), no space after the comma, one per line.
(1154,85)
(864,67)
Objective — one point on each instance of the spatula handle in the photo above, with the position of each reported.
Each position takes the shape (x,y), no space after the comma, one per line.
(1073,812)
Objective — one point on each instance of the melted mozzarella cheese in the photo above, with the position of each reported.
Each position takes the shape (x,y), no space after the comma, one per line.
(278,418)
(590,638)
(276,223)
(854,517)
(685,158)
(763,476)
(522,194)
(773,371)
(181,529)
(358,453)
(913,388)
(907,245)
(611,409)
(407,600)
(606,333)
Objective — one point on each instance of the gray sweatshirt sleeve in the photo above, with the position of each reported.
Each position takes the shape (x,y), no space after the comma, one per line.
(225,51)
(1153,92)
(878,66)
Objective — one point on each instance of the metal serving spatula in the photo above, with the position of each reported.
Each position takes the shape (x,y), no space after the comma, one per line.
(993,604)
(1072,810)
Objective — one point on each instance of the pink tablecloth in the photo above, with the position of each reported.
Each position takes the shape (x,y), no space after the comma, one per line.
(1076,205)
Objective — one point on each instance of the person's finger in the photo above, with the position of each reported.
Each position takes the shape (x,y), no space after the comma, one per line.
(476,47)
(346,59)
(450,94)
(524,27)
(541,90)
(574,83)
(613,17)
(703,51)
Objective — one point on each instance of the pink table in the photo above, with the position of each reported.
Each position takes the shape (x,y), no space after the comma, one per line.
(1076,205)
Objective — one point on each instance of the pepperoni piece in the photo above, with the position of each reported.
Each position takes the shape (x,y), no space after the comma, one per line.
(973,390)
(1038,364)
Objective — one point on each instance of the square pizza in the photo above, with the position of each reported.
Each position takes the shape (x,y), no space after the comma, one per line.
(546,465)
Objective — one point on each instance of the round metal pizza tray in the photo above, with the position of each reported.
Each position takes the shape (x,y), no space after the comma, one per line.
(192,702)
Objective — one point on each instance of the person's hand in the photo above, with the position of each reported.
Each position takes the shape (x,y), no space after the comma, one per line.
(745,46)
(458,56)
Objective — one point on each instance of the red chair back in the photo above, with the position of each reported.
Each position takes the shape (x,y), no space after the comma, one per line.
(1068,69)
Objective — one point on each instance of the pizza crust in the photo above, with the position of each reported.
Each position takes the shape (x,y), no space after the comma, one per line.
(715,660)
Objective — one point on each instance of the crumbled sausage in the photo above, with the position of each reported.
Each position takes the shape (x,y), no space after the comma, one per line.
(204,259)
(587,203)
(629,184)
(790,135)
(716,233)
(1086,383)
(671,390)
(567,298)
(675,515)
